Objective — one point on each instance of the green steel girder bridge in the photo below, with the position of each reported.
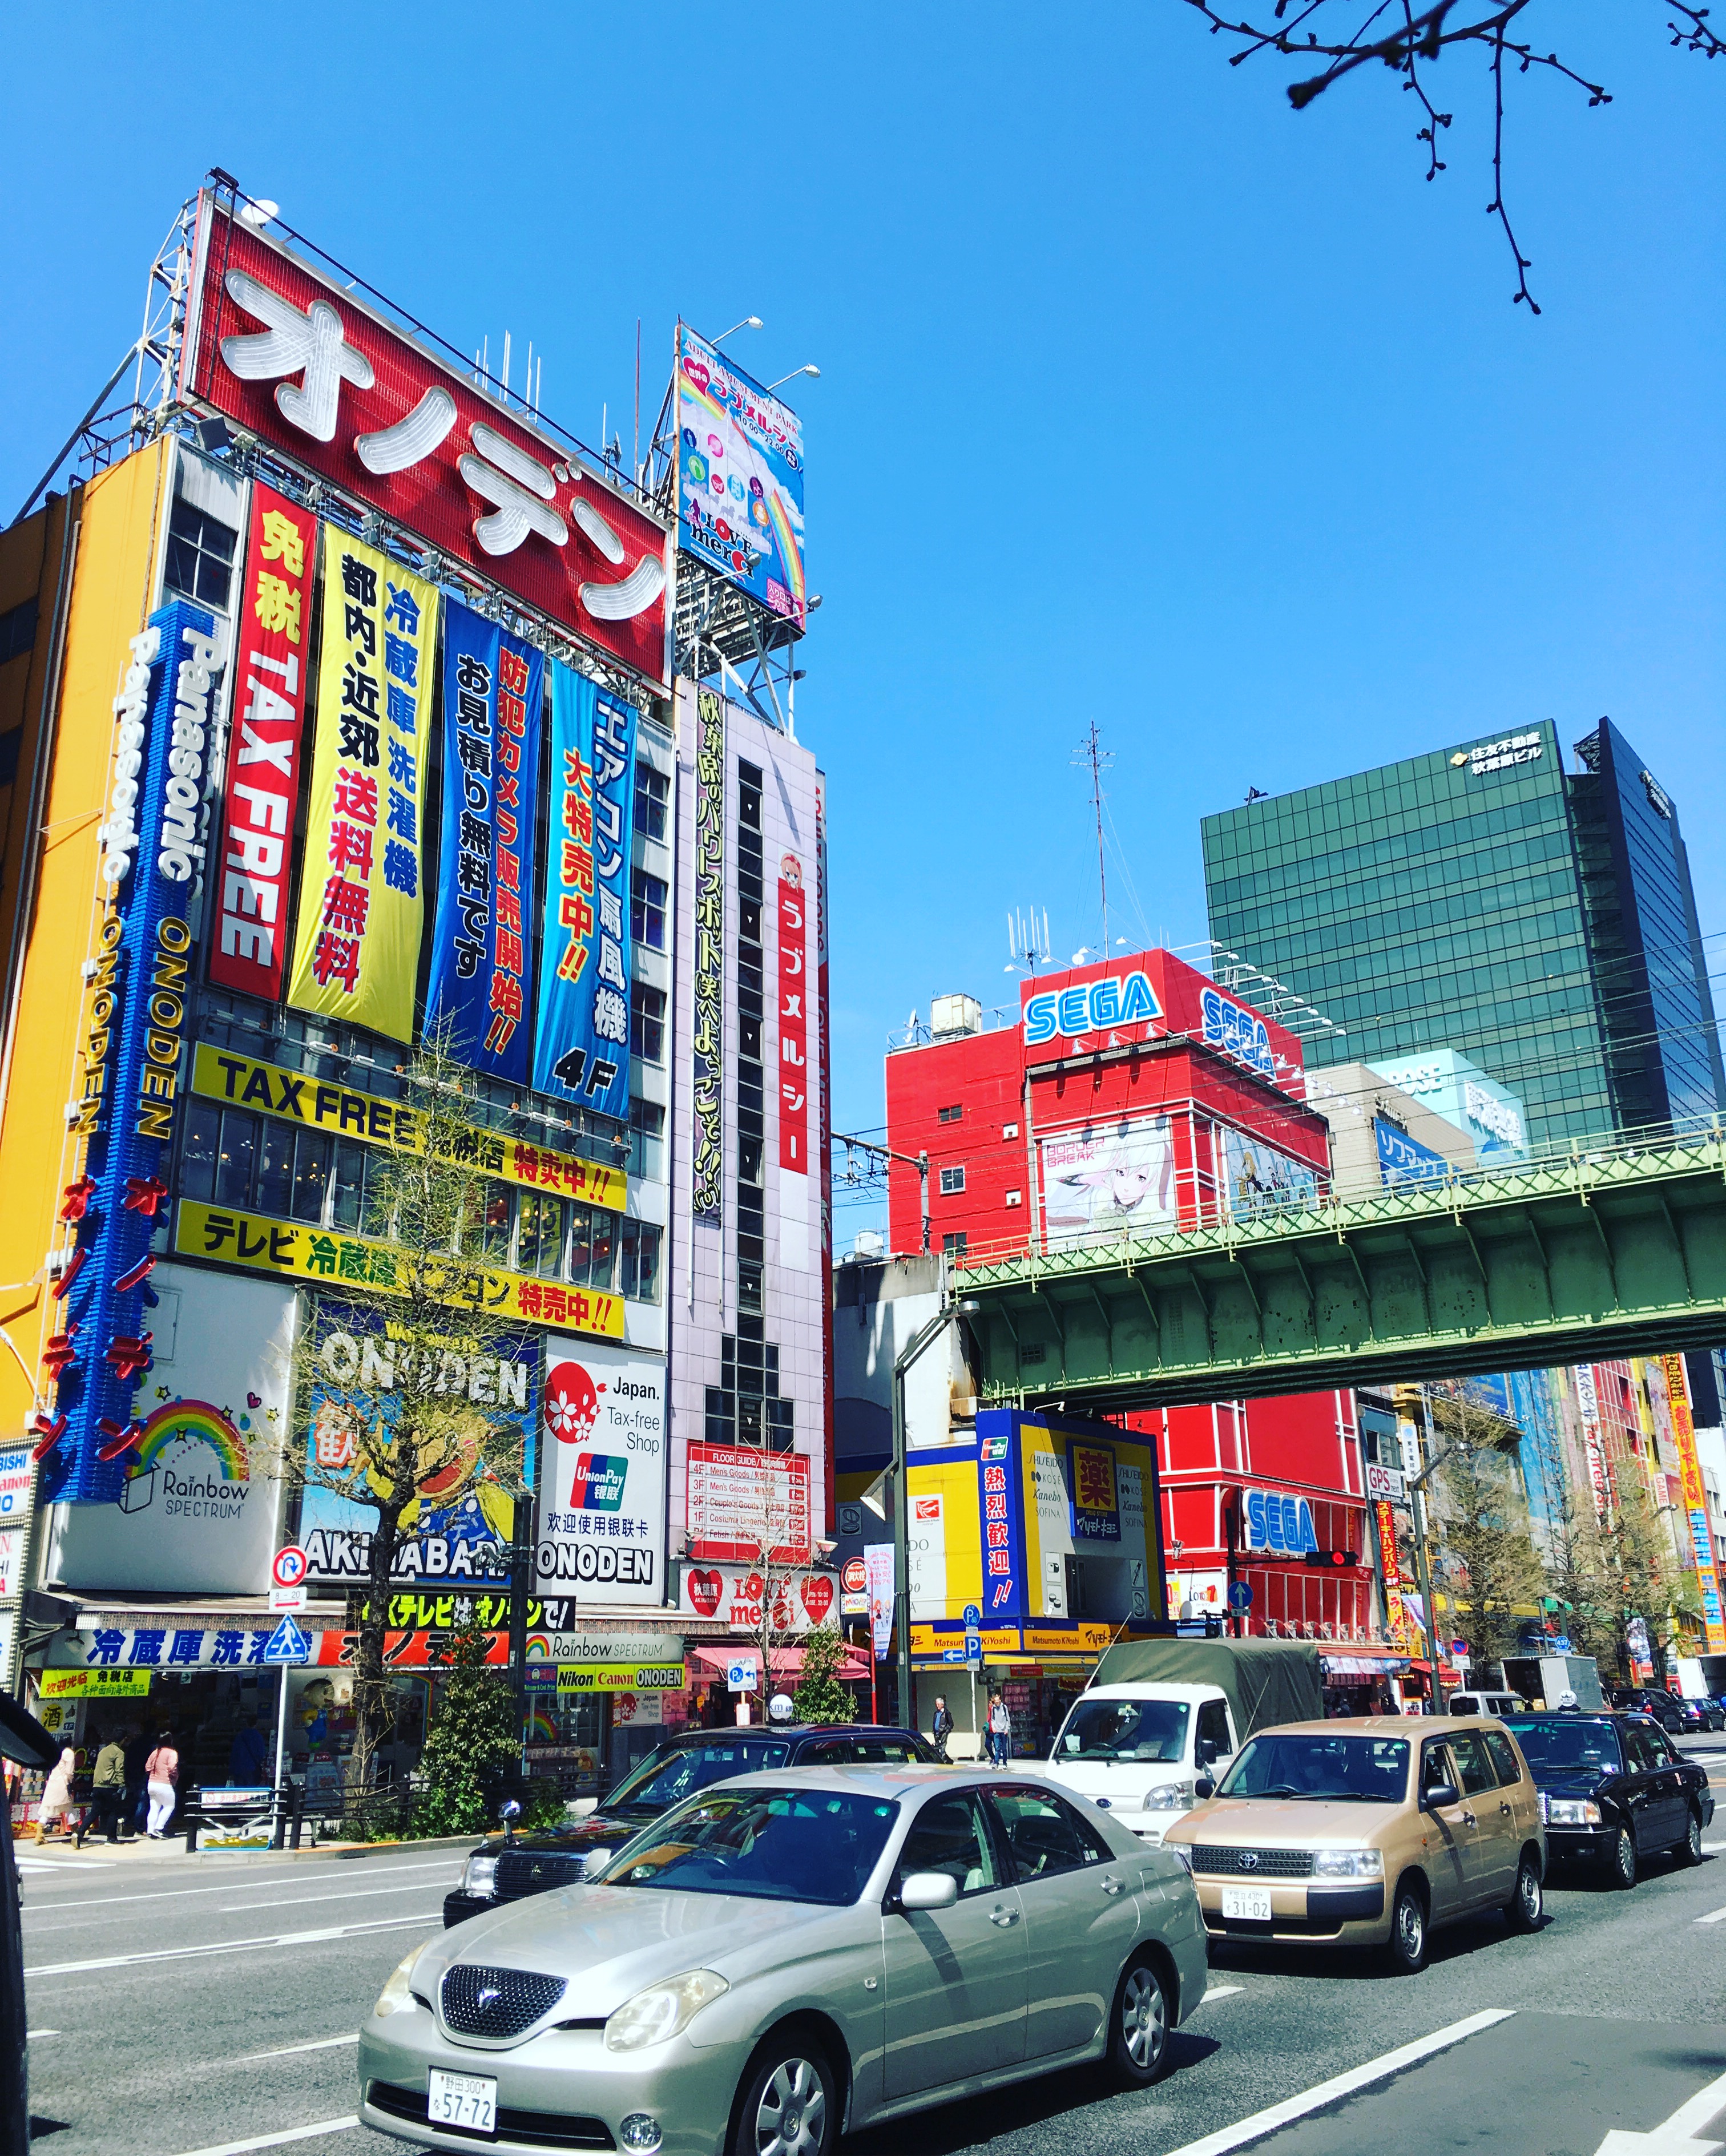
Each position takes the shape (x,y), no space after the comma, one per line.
(1609,1249)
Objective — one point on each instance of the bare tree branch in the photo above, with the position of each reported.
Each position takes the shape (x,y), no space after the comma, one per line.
(1296,30)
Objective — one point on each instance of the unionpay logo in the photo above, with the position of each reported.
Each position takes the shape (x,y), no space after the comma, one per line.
(598,1486)
(994,1448)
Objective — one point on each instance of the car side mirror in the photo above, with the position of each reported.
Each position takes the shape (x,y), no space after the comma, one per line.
(1439,1795)
(1204,1786)
(928,1890)
(1207,1751)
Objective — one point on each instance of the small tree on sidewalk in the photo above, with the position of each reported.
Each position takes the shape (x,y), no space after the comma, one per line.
(472,1743)
(819,1696)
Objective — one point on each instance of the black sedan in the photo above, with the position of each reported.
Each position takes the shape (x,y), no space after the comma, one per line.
(1614,1790)
(1678,1717)
(515,1865)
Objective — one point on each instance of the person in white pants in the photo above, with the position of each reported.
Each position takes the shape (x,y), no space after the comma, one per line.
(162,1776)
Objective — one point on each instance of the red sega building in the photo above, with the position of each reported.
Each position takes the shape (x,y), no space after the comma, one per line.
(1139,1096)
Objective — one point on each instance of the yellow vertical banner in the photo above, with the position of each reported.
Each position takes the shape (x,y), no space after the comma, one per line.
(357,935)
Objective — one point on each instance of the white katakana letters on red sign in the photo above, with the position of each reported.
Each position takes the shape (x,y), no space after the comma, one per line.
(411,439)
(310,345)
(518,486)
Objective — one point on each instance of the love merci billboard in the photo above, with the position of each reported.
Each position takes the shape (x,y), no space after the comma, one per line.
(287,354)
(734,1595)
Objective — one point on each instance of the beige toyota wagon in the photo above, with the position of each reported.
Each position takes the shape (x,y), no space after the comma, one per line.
(1367,1833)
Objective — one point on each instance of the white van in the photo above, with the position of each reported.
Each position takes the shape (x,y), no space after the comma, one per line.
(1139,1749)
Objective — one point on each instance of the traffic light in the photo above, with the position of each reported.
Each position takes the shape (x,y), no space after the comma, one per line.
(1333,1560)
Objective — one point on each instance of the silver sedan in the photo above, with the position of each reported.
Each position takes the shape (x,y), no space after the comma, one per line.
(787,1957)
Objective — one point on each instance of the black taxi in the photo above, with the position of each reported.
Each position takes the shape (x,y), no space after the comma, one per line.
(1615,1791)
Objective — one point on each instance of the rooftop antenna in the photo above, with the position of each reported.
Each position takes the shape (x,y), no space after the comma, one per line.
(506,365)
(1092,753)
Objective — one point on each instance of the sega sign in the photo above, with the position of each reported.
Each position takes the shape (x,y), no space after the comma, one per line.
(1270,1520)
(1094,1008)
(1241,1034)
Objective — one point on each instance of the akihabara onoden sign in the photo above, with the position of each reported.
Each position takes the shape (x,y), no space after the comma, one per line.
(291,356)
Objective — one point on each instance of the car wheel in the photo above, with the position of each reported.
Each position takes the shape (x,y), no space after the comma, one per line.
(1690,1850)
(1624,1860)
(1139,2028)
(1407,1945)
(1523,1911)
(790,2105)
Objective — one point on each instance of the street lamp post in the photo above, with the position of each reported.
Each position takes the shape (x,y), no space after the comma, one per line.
(901,1531)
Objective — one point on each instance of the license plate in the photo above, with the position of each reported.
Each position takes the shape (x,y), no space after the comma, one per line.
(1250,1905)
(469,2100)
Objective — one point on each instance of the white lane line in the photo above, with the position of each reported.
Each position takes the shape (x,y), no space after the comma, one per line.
(1219,1991)
(276,2140)
(1262,2122)
(1713,1917)
(287,2051)
(63,1864)
(233,1946)
(178,1893)
(1686,2121)
(351,1894)
(36,2034)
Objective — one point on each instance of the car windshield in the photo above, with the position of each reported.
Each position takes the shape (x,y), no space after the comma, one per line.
(1125,1729)
(1323,1767)
(665,1779)
(771,1844)
(1559,1745)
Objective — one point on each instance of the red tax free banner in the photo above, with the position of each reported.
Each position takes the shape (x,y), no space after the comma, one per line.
(272,635)
(285,353)
(793,1022)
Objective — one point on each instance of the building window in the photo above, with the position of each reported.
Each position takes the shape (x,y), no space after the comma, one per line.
(200,555)
(647,1022)
(749,1287)
(639,1279)
(18,629)
(952,1181)
(1009,1131)
(647,909)
(539,1234)
(719,1426)
(652,796)
(592,1247)
(954,1114)
(647,1140)
(956,1244)
(1015,1197)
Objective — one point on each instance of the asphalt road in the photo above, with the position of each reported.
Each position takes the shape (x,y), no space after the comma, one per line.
(209,2004)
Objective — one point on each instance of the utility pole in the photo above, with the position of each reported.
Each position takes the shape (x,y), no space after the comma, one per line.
(1092,753)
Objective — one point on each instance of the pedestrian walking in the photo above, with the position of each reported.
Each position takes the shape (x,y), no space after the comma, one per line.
(57,1795)
(1001,1729)
(245,1760)
(940,1728)
(161,1778)
(107,1791)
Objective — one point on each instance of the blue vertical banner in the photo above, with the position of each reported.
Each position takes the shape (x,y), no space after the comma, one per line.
(132,1046)
(582,1043)
(481,982)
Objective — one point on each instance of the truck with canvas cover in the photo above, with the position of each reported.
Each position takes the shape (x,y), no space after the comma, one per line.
(1159,1714)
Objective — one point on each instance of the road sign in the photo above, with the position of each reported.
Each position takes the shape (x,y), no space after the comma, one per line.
(287,1644)
(743,1677)
(290,1566)
(953,1655)
(1560,1645)
(973,1618)
(287,1597)
(973,1649)
(1240,1595)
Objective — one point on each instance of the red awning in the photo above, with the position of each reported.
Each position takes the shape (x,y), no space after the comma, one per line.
(713,1659)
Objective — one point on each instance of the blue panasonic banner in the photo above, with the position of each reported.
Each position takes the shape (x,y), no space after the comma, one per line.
(151,861)
(1403,1159)
(481,985)
(581,1040)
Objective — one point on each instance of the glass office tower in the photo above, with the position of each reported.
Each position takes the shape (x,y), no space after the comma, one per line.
(1479,898)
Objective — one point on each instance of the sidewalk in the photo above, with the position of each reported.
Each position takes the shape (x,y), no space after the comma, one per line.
(142,1854)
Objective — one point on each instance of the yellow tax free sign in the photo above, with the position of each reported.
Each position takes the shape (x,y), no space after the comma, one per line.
(94,1684)
(298,1097)
(289,1251)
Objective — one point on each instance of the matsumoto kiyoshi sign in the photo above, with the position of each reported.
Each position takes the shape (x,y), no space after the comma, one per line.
(459,1526)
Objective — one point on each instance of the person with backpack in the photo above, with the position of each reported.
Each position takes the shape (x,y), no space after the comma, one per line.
(107,1790)
(161,1778)
(1000,1730)
(940,1728)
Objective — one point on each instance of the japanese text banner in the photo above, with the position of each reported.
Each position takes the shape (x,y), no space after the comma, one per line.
(273,646)
(357,938)
(479,985)
(582,1043)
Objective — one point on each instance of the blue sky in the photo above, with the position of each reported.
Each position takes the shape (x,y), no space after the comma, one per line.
(1143,397)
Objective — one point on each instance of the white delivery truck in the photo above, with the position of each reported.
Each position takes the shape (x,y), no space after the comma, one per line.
(1162,1714)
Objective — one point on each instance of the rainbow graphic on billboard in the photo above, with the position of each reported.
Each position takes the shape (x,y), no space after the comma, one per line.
(739,478)
(205,1425)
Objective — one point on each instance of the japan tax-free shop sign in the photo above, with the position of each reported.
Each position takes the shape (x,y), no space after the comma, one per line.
(288,354)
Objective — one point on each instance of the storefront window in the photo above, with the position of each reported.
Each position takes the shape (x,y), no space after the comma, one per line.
(198,1161)
(234,1163)
(350,1185)
(539,1247)
(311,1174)
(275,1169)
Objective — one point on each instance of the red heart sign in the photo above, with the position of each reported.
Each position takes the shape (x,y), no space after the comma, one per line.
(754,1587)
(705,1588)
(818,1596)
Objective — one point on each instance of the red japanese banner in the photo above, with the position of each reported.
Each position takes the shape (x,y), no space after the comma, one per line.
(292,357)
(793,1022)
(272,634)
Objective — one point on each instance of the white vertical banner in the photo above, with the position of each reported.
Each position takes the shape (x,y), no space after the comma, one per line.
(878,1569)
(926,1557)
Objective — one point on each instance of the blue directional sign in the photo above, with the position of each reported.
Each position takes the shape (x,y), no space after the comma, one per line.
(973,1649)
(1240,1595)
(288,1644)
(973,1618)
(953,1655)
